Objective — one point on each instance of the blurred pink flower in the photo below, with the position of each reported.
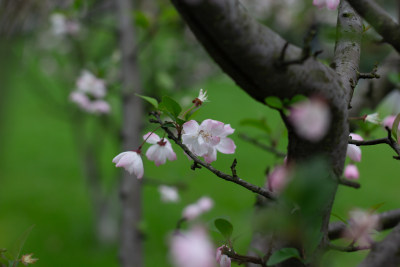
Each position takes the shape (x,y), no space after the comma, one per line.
(311,119)
(160,151)
(192,249)
(99,107)
(60,25)
(388,121)
(90,84)
(330,4)
(80,99)
(131,162)
(361,225)
(205,139)
(351,172)
(353,151)
(194,210)
(223,260)
(278,178)
(168,193)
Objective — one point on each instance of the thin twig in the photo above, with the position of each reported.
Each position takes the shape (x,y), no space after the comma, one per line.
(350,248)
(349,183)
(388,140)
(242,258)
(371,75)
(265,147)
(197,162)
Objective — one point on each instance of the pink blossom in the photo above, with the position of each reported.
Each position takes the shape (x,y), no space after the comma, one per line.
(361,224)
(90,84)
(60,25)
(278,178)
(80,99)
(192,249)
(131,162)
(194,210)
(353,151)
(351,172)
(160,151)
(205,139)
(330,4)
(168,193)
(388,121)
(311,119)
(223,260)
(99,107)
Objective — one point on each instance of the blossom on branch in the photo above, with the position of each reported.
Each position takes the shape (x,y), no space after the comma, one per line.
(373,118)
(192,249)
(353,151)
(205,139)
(351,172)
(361,225)
(131,162)
(310,118)
(330,4)
(278,178)
(222,259)
(160,151)
(198,101)
(388,121)
(194,210)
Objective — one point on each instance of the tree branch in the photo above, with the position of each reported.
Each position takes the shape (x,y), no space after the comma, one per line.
(387,220)
(348,47)
(385,253)
(379,19)
(258,144)
(197,163)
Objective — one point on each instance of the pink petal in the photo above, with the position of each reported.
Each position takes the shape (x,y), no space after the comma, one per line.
(205,203)
(225,261)
(152,138)
(219,253)
(211,155)
(332,4)
(278,179)
(354,152)
(226,146)
(319,3)
(138,167)
(351,172)
(191,127)
(356,137)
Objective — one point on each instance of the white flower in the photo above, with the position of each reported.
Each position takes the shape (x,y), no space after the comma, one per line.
(130,161)
(311,119)
(27,259)
(201,98)
(353,151)
(168,193)
(160,151)
(373,118)
(192,249)
(205,139)
(80,99)
(60,25)
(90,84)
(361,224)
(99,107)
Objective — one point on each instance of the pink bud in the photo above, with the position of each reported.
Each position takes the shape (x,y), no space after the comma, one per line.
(278,179)
(351,172)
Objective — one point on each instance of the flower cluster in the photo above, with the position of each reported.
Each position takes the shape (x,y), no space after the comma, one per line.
(361,224)
(354,153)
(206,139)
(330,4)
(90,93)
(61,26)
(168,193)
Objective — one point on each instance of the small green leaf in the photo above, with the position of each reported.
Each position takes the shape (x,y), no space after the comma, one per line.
(274,102)
(171,107)
(338,217)
(141,19)
(224,227)
(256,123)
(282,255)
(151,100)
(395,127)
(297,98)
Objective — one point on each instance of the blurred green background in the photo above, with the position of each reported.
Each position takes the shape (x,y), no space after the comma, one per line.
(41,177)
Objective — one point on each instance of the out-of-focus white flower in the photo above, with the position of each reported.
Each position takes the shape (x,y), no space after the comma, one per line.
(60,25)
(80,99)
(168,193)
(351,172)
(330,4)
(90,84)
(278,178)
(361,225)
(373,118)
(99,107)
(311,119)
(192,249)
(131,162)
(27,259)
(194,210)
(205,139)
(198,101)
(160,151)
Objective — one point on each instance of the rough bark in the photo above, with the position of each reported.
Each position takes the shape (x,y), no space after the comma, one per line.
(249,53)
(382,22)
(131,251)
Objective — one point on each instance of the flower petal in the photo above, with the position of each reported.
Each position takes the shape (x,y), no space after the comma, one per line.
(152,138)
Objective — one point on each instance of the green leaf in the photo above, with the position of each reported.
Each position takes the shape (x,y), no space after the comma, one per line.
(338,217)
(395,127)
(151,100)
(171,107)
(141,19)
(282,255)
(224,227)
(297,98)
(256,123)
(274,102)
